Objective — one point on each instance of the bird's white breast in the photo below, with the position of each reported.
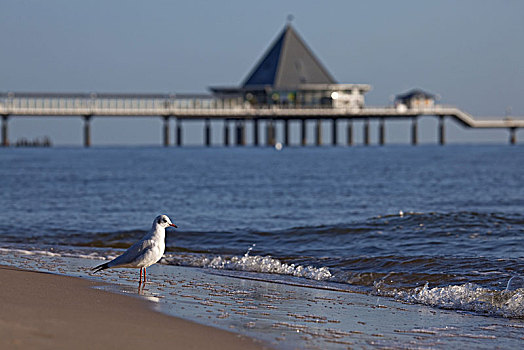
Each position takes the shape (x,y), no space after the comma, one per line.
(154,253)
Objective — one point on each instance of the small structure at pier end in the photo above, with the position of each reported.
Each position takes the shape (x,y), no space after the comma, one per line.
(290,75)
(415,98)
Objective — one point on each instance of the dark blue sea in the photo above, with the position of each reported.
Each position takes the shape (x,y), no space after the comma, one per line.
(429,225)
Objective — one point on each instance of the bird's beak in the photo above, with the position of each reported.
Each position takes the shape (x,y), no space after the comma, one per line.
(175,226)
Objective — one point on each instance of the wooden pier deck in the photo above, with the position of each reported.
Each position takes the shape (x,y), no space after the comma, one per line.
(204,107)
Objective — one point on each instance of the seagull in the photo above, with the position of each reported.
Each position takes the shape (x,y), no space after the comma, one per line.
(144,253)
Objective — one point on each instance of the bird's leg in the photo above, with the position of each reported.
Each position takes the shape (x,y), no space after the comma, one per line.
(144,275)
(140,282)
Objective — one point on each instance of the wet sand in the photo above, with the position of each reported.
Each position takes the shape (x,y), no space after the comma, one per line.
(47,311)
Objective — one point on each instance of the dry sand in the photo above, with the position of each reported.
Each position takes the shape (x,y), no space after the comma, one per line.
(45,311)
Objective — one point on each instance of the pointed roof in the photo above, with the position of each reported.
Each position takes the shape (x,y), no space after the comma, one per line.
(288,63)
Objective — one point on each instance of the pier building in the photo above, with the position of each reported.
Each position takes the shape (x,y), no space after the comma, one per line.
(290,75)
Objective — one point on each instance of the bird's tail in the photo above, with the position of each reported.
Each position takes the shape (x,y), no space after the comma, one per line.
(100,267)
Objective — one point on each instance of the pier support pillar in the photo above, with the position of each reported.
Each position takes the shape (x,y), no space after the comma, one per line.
(207,132)
(334,135)
(366,132)
(382,131)
(5,138)
(303,132)
(87,131)
(243,129)
(318,133)
(414,131)
(513,136)
(286,132)
(349,133)
(441,127)
(255,131)
(240,133)
(270,133)
(166,131)
(179,132)
(226,132)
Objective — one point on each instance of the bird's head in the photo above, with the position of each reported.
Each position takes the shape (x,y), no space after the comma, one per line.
(163,221)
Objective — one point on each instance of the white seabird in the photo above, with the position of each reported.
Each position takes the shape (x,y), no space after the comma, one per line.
(144,253)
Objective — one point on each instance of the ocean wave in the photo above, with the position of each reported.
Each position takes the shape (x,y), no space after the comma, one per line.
(434,234)
(256,263)
(465,297)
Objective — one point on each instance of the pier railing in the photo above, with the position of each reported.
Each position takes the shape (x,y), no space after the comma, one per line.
(208,107)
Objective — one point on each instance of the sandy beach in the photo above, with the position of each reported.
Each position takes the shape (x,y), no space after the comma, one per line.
(47,311)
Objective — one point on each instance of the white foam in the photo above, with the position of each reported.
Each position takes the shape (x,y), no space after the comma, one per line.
(93,256)
(467,297)
(264,264)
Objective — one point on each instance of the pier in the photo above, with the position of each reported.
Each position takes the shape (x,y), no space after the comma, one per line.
(287,84)
(232,112)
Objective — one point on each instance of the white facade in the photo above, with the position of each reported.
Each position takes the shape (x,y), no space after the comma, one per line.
(348,99)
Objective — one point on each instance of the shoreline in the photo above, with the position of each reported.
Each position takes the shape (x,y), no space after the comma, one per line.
(263,313)
(44,310)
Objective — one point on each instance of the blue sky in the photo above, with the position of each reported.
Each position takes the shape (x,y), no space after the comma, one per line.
(468,52)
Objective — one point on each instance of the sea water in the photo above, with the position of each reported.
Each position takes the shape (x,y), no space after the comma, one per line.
(437,227)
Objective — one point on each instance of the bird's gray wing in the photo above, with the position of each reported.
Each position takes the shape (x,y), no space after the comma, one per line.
(131,254)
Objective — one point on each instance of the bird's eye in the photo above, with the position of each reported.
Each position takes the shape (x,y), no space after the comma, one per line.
(164,220)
